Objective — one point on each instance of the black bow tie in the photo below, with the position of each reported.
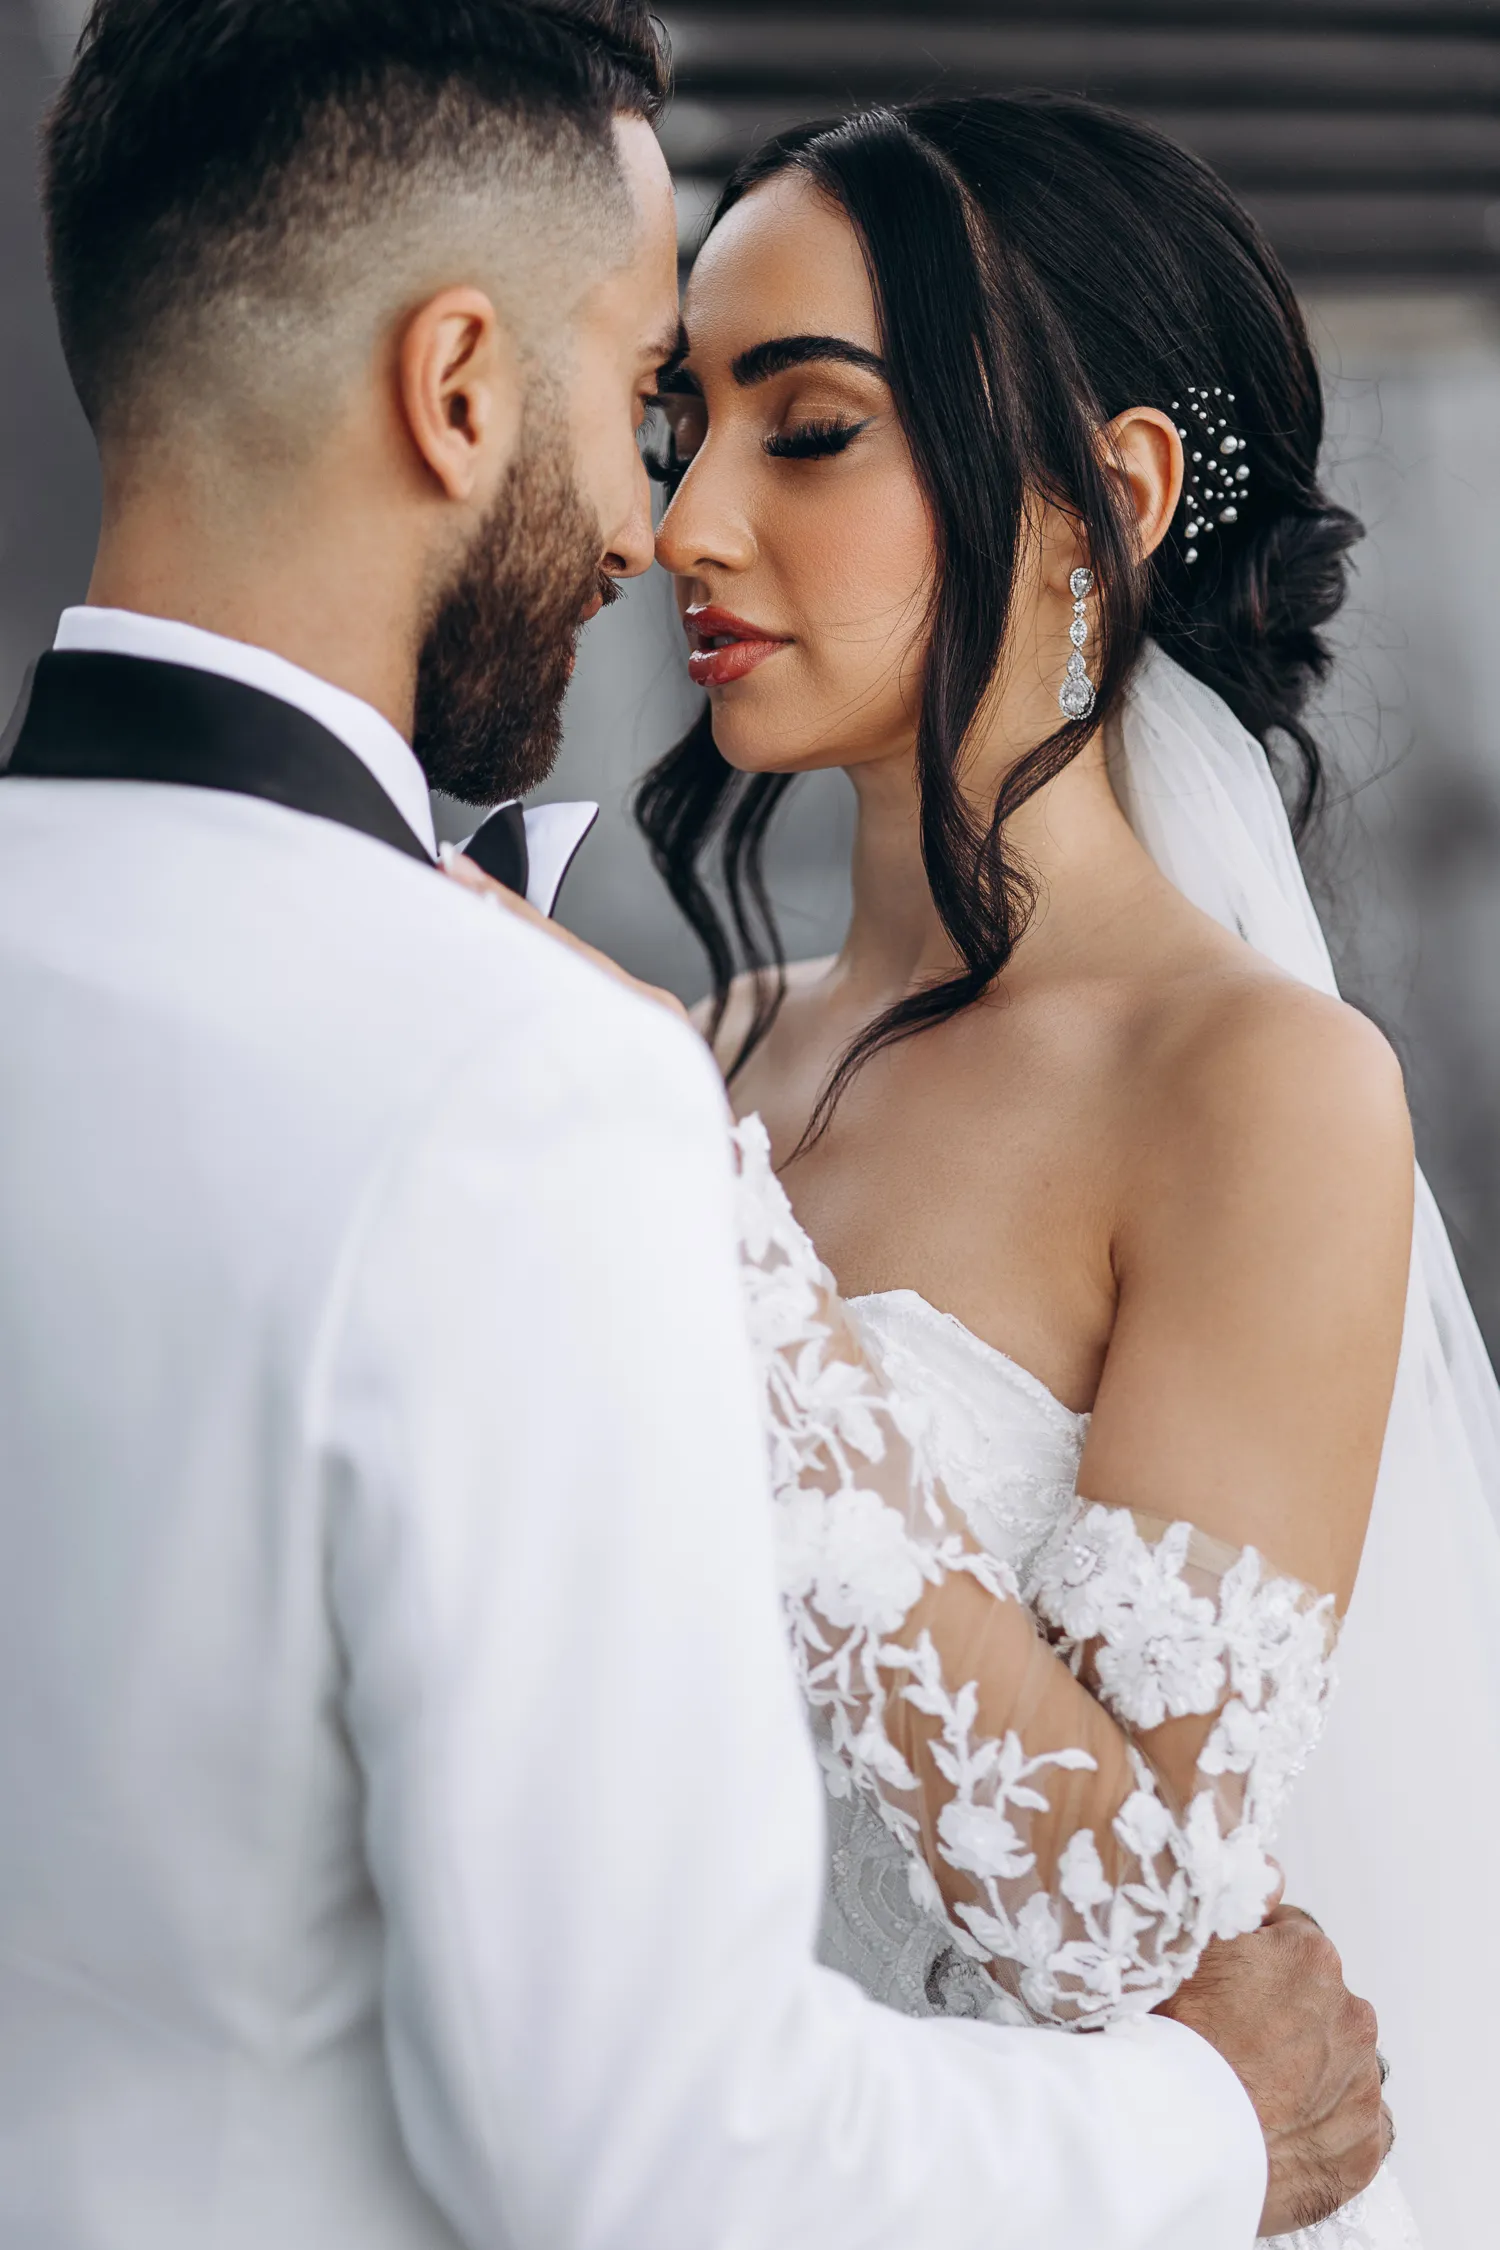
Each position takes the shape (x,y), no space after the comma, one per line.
(499,847)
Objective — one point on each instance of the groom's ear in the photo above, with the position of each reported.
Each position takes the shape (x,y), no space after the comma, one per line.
(459,391)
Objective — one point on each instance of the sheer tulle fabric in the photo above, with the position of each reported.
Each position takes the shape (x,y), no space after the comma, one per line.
(1389,1843)
(1083,1785)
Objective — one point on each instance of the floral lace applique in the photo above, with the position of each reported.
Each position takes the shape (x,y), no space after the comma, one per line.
(1006,1744)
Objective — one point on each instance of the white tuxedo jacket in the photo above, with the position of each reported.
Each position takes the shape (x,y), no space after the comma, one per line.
(408,1832)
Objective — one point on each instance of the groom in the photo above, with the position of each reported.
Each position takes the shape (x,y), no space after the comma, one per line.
(408,1834)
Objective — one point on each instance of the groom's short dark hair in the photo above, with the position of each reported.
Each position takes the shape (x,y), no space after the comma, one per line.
(214,152)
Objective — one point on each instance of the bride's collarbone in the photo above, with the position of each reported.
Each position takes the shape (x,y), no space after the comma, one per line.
(993,1164)
(1081,1063)
(1023,1082)
(993,1206)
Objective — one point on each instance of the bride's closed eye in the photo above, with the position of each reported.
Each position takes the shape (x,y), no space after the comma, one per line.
(676,425)
(815,441)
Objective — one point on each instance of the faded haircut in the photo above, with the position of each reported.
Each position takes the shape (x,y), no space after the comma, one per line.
(240,194)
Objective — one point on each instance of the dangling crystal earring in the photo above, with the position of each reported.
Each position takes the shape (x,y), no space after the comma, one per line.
(1075,698)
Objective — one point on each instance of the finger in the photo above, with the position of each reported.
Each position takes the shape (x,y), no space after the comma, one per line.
(460,869)
(1282,1912)
(670,1002)
(471,877)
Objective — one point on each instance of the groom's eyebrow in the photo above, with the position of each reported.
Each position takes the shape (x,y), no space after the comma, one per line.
(778,353)
(668,353)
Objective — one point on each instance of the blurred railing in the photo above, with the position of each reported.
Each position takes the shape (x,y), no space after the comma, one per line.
(1364,134)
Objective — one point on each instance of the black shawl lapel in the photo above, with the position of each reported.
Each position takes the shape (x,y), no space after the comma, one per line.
(96,717)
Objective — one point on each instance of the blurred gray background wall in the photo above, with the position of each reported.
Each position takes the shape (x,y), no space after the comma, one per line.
(1365,134)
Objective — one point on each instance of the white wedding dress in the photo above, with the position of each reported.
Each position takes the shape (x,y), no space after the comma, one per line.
(902,1443)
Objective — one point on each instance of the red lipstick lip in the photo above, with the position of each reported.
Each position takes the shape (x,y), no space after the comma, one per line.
(726,647)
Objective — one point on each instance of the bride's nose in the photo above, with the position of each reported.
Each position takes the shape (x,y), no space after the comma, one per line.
(705,526)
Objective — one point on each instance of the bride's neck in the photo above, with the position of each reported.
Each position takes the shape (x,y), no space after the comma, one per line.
(1071,836)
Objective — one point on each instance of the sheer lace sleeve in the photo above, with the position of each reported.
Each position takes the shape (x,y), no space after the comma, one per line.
(1083,1780)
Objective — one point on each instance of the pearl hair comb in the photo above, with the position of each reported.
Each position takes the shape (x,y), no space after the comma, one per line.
(1215,481)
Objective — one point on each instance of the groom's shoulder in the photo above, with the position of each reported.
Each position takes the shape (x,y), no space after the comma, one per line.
(547,1020)
(541,1078)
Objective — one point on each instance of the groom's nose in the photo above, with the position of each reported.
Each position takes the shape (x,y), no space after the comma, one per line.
(631,544)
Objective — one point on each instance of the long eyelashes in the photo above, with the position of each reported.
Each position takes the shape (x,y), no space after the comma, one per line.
(815,441)
(812,441)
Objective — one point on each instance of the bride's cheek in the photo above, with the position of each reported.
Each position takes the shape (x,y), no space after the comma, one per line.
(874,574)
(851,558)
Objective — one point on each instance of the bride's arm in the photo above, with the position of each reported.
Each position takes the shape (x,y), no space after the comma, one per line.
(1262,1248)
(1088,1813)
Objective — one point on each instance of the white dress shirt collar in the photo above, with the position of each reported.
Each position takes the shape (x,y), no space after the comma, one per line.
(555,835)
(164,640)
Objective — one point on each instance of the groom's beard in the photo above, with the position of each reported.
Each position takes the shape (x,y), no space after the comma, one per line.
(503,636)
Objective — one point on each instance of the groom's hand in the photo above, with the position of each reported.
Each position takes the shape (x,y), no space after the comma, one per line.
(473,878)
(1276,2006)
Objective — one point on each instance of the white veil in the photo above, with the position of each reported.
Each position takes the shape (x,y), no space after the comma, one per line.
(1393,1837)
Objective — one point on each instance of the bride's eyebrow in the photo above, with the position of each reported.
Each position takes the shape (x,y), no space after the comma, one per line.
(778,353)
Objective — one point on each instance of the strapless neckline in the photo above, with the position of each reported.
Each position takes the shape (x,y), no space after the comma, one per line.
(921,1310)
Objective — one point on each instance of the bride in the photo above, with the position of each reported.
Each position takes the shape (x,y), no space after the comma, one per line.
(994,482)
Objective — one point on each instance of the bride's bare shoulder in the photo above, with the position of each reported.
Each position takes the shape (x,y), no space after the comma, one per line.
(744,994)
(1253,1076)
(1261,1249)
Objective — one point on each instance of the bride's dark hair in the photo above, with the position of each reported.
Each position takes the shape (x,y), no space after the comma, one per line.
(1040,265)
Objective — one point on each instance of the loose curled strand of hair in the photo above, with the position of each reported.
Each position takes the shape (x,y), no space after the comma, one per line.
(1008,350)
